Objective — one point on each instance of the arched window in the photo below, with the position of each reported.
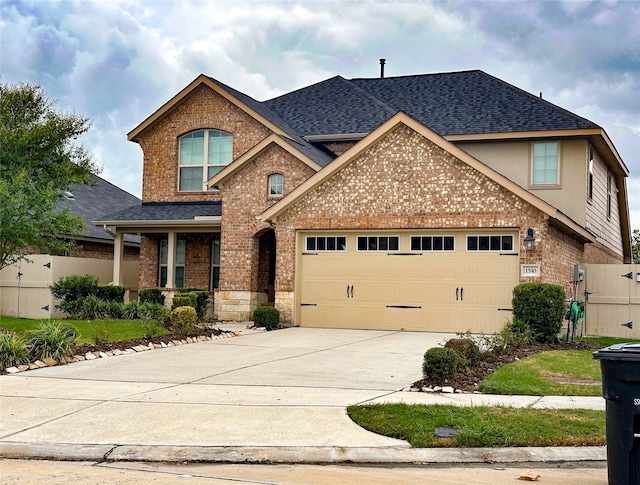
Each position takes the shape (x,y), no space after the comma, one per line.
(276,185)
(203,154)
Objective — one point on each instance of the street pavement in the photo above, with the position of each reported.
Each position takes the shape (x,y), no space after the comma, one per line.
(262,397)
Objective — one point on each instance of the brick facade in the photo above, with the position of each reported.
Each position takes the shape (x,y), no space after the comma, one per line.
(204,108)
(402,181)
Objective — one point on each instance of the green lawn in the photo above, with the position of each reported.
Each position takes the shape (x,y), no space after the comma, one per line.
(482,426)
(553,373)
(114,330)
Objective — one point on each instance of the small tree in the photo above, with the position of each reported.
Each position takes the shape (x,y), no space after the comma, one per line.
(635,246)
(40,159)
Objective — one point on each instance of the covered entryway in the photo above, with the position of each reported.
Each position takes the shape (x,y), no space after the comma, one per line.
(444,281)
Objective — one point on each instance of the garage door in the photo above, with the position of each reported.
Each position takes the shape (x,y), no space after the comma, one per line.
(410,280)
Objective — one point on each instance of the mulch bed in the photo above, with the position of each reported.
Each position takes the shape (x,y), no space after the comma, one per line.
(469,379)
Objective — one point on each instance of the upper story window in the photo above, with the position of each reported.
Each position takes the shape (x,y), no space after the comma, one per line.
(545,164)
(276,185)
(203,154)
(609,194)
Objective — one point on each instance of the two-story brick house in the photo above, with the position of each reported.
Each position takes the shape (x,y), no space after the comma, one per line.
(392,203)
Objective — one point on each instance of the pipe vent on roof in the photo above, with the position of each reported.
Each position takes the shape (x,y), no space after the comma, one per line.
(382,63)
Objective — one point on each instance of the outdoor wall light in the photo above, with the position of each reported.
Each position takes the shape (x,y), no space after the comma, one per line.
(529,241)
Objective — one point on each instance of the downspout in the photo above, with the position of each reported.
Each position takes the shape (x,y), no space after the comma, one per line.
(108,231)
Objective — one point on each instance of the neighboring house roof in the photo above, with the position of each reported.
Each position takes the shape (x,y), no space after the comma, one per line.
(165,213)
(91,202)
(467,102)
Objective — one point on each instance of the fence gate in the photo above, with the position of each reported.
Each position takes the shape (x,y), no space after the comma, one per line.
(612,300)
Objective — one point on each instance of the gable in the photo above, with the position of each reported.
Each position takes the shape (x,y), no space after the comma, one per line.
(403,172)
(405,180)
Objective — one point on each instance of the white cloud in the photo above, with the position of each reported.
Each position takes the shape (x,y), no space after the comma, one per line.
(119,61)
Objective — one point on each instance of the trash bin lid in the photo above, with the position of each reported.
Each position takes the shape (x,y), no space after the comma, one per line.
(627,351)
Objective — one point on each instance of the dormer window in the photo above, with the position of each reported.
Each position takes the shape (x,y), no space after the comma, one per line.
(203,154)
(276,185)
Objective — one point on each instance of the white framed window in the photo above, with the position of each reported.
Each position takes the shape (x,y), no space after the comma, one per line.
(497,242)
(545,164)
(181,249)
(276,185)
(378,243)
(326,243)
(203,154)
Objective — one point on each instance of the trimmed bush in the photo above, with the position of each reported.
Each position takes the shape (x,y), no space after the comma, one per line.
(183,319)
(74,287)
(184,299)
(540,306)
(111,293)
(151,295)
(13,350)
(201,298)
(467,350)
(439,363)
(153,311)
(52,339)
(267,317)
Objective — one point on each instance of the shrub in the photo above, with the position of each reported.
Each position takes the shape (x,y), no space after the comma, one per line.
(516,334)
(267,317)
(201,297)
(153,311)
(184,299)
(439,363)
(74,287)
(151,328)
(114,309)
(13,350)
(100,334)
(184,320)
(111,293)
(541,306)
(52,339)
(467,350)
(151,295)
(132,310)
(92,308)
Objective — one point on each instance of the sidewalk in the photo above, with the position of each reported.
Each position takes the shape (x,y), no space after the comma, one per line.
(277,397)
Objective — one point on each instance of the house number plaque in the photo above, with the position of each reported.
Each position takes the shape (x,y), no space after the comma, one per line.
(530,270)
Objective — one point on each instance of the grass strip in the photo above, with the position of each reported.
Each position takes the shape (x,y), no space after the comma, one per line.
(114,330)
(482,426)
(552,373)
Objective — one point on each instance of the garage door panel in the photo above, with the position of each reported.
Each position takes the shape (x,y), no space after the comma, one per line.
(430,290)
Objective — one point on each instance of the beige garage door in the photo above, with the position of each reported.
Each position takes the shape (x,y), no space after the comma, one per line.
(411,280)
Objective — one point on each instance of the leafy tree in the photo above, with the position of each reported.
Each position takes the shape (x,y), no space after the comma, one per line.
(635,246)
(39,159)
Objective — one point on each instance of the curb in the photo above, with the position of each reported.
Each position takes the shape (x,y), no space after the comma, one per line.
(297,454)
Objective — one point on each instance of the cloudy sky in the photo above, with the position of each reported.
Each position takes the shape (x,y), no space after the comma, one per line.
(117,61)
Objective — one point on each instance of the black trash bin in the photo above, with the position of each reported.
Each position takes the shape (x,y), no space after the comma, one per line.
(620,365)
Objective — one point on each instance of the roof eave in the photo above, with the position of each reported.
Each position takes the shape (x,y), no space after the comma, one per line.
(209,221)
(202,79)
(255,151)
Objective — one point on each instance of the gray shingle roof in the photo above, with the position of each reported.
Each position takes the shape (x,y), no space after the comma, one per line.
(92,202)
(166,211)
(457,103)
(317,155)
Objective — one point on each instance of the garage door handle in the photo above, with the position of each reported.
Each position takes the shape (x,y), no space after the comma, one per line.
(349,291)
(457,291)
(461,294)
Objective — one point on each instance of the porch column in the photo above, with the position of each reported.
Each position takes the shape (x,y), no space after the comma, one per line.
(171,259)
(118,255)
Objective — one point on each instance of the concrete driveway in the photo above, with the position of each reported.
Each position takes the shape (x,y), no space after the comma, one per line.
(287,388)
